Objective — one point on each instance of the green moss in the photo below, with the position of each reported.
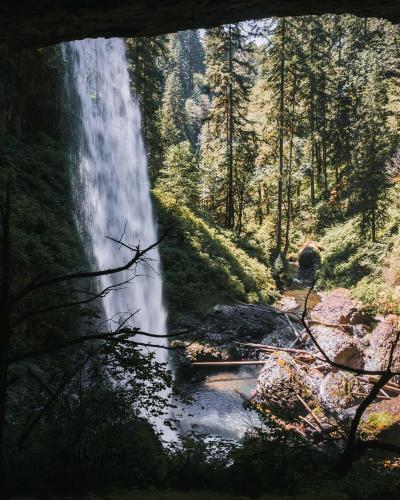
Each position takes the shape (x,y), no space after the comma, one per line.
(204,265)
(377,422)
(44,239)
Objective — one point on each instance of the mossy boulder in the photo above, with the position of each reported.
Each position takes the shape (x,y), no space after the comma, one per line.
(280,384)
(309,257)
(205,352)
(382,421)
(341,390)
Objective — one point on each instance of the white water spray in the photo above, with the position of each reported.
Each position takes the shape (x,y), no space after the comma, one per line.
(114,190)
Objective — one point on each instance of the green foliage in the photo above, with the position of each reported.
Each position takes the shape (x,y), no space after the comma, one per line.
(373,149)
(187,54)
(228,142)
(203,265)
(370,269)
(95,433)
(172,112)
(30,91)
(146,57)
(180,176)
(44,239)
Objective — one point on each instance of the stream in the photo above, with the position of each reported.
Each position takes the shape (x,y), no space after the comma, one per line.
(216,408)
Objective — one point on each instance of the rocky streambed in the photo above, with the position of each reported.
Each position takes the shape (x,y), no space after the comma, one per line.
(291,379)
(218,393)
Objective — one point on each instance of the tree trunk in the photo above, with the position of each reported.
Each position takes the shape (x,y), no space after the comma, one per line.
(289,180)
(373,226)
(5,308)
(230,215)
(312,177)
(312,129)
(281,137)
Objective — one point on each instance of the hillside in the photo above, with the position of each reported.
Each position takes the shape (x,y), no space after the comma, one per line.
(370,269)
(204,264)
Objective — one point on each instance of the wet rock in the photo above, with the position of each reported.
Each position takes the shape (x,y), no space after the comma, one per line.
(341,390)
(339,346)
(224,324)
(381,342)
(280,383)
(221,331)
(309,257)
(286,303)
(339,308)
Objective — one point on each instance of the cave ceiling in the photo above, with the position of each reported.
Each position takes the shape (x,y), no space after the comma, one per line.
(35,23)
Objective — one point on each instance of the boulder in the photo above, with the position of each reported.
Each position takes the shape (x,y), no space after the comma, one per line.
(309,257)
(381,342)
(341,390)
(382,421)
(224,324)
(280,383)
(339,308)
(339,346)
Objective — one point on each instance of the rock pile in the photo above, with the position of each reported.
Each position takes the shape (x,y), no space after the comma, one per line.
(291,388)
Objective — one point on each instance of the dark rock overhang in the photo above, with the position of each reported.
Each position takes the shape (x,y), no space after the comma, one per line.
(34,23)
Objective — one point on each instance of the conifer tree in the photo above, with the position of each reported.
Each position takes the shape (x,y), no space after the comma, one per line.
(228,73)
(373,148)
(146,59)
(172,113)
(179,176)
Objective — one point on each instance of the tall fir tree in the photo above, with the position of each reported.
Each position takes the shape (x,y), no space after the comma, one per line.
(146,58)
(228,74)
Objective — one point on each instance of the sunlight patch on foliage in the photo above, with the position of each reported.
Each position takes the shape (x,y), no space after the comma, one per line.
(208,260)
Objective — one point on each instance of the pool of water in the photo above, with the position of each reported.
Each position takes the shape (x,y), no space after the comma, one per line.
(217,405)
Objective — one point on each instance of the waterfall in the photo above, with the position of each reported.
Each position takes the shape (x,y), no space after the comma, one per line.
(114,191)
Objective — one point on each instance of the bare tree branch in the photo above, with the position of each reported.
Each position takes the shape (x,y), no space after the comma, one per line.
(34,286)
(66,305)
(120,335)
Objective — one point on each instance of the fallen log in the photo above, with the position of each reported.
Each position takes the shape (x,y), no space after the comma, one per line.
(389,387)
(228,363)
(216,381)
(274,348)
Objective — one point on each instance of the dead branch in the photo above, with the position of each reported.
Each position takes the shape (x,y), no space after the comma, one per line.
(38,285)
(122,336)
